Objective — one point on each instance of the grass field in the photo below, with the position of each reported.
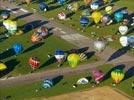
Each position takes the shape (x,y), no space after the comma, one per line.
(28,91)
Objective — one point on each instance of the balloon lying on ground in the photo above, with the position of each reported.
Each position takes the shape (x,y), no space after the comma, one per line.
(2,66)
(34,62)
(43,6)
(42,31)
(35,38)
(60,55)
(98,75)
(96,15)
(99,45)
(75,6)
(109,9)
(94,6)
(18,48)
(124,41)
(106,19)
(87,2)
(86,13)
(131,41)
(118,16)
(73,59)
(47,83)
(117,75)
(83,81)
(62,15)
(5,15)
(11,26)
(84,21)
(123,30)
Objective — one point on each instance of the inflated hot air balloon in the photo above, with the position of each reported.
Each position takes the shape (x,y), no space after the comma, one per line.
(62,15)
(106,19)
(117,75)
(131,41)
(43,6)
(73,59)
(36,38)
(94,6)
(42,31)
(84,21)
(18,48)
(96,16)
(6,23)
(118,16)
(98,75)
(34,62)
(86,13)
(123,30)
(75,6)
(59,55)
(109,9)
(47,83)
(106,1)
(5,15)
(99,45)
(13,27)
(61,2)
(124,41)
(2,66)
(87,2)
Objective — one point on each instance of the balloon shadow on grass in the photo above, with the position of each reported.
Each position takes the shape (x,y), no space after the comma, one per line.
(6,54)
(11,64)
(22,16)
(108,74)
(48,62)
(119,53)
(90,54)
(129,73)
(35,46)
(57,79)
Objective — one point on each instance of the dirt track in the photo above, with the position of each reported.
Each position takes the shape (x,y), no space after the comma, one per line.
(101,93)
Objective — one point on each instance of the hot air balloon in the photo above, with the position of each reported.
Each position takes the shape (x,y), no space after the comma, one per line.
(75,6)
(87,2)
(36,38)
(59,55)
(117,75)
(47,83)
(61,2)
(43,6)
(5,15)
(86,13)
(34,62)
(98,75)
(13,27)
(123,30)
(2,66)
(84,21)
(42,31)
(18,48)
(118,16)
(99,45)
(94,6)
(73,59)
(124,41)
(96,16)
(109,9)
(62,15)
(106,19)
(131,41)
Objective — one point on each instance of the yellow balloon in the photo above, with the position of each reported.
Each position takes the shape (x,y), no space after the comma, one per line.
(96,16)
(73,59)
(108,9)
(2,67)
(106,1)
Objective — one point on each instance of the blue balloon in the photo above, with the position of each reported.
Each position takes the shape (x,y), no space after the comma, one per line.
(43,6)
(118,16)
(47,83)
(17,48)
(59,55)
(61,2)
(59,52)
(131,41)
(84,21)
(5,13)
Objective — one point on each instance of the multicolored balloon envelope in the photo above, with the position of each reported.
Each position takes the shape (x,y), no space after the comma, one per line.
(47,83)
(118,16)
(94,6)
(18,48)
(34,62)
(123,30)
(2,66)
(96,15)
(36,38)
(106,18)
(73,60)
(59,55)
(43,6)
(84,21)
(98,75)
(117,75)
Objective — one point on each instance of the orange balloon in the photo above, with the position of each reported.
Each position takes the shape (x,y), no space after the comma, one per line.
(87,2)
(36,38)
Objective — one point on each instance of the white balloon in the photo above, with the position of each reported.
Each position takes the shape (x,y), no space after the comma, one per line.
(124,41)
(99,45)
(94,6)
(123,30)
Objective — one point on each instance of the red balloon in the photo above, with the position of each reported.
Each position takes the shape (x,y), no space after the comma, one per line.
(34,62)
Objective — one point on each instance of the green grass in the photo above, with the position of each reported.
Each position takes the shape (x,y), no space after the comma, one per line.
(28,91)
